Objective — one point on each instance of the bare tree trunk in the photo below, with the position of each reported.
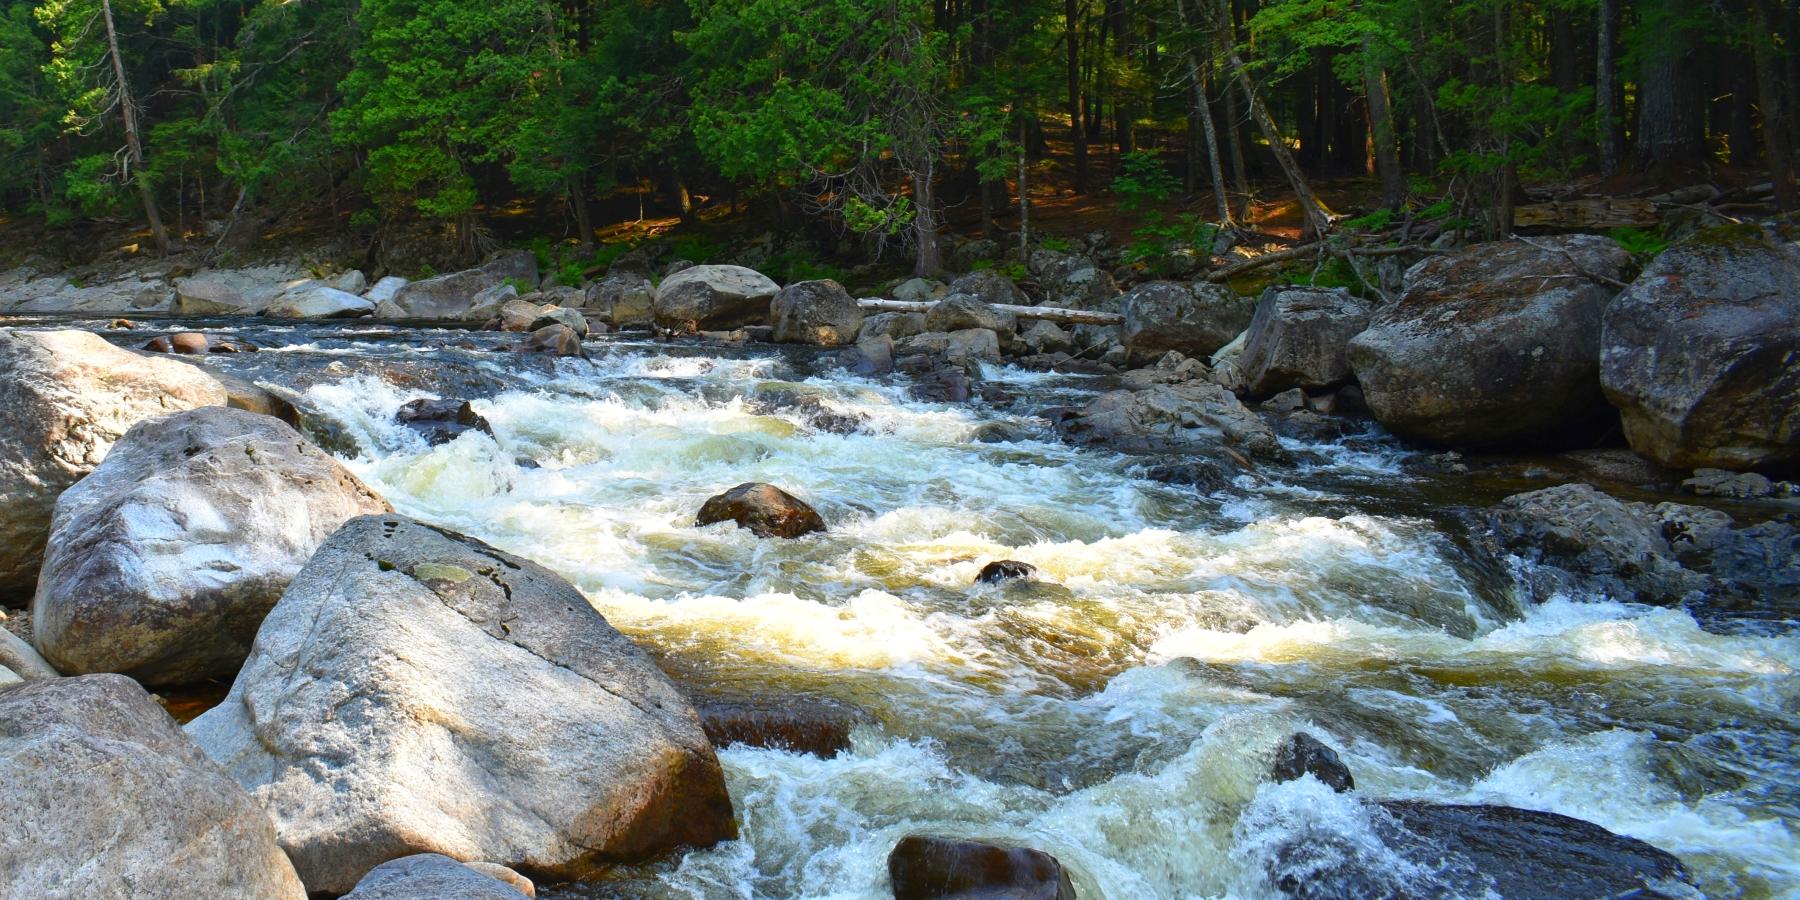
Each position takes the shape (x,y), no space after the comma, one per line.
(1077,132)
(135,149)
(925,223)
(1509,170)
(1604,113)
(1314,215)
(584,218)
(1777,145)
(1381,131)
(1671,132)
(1203,110)
(1024,202)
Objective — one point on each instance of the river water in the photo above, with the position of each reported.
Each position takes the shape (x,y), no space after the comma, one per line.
(1121,712)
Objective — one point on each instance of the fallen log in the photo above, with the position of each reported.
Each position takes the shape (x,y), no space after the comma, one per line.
(1052,313)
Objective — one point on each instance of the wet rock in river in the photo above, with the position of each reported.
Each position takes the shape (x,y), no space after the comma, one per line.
(800,724)
(923,867)
(557,315)
(1702,354)
(1496,344)
(434,876)
(427,693)
(896,325)
(1303,754)
(623,298)
(1194,417)
(816,312)
(713,298)
(163,561)
(810,409)
(314,300)
(1726,483)
(103,796)
(764,509)
(1005,570)
(514,315)
(442,421)
(65,396)
(555,340)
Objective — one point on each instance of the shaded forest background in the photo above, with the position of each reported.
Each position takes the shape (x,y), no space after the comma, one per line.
(202,122)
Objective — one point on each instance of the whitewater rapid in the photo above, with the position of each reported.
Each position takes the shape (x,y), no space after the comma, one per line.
(1120,714)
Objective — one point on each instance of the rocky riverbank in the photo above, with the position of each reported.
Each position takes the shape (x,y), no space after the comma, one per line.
(415,712)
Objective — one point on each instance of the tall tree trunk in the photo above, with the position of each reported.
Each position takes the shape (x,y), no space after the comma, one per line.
(1024,201)
(1381,130)
(1077,131)
(925,223)
(1606,114)
(1777,138)
(1310,211)
(584,218)
(1203,112)
(1509,169)
(1671,132)
(134,149)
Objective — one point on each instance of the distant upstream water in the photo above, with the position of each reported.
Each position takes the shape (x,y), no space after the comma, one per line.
(1118,714)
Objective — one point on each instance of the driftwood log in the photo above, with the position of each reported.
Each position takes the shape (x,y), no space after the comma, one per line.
(1052,313)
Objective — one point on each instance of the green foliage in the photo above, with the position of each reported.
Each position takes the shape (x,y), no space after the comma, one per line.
(1375,221)
(1638,242)
(693,248)
(1056,244)
(793,266)
(1143,181)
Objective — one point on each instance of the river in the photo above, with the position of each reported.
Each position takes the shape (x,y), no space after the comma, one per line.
(1119,712)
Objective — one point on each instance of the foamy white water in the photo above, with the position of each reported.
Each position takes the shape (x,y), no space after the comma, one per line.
(1121,714)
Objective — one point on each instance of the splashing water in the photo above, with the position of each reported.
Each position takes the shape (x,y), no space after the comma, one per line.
(1121,712)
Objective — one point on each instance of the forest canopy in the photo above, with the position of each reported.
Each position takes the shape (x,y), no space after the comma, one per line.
(874,113)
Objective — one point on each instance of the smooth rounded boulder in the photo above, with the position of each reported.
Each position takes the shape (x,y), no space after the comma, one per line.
(624,298)
(314,300)
(102,796)
(469,294)
(713,298)
(1300,338)
(1195,321)
(1702,353)
(65,397)
(1496,344)
(432,876)
(816,312)
(764,509)
(163,561)
(417,691)
(929,867)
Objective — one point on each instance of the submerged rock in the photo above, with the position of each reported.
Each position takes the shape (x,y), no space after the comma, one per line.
(798,724)
(424,692)
(1303,754)
(1193,417)
(764,509)
(554,340)
(434,876)
(163,561)
(101,795)
(442,421)
(1493,345)
(65,397)
(714,298)
(1005,570)
(1702,353)
(923,867)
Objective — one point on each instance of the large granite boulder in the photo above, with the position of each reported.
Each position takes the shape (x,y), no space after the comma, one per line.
(1300,338)
(385,289)
(246,291)
(21,292)
(418,691)
(624,298)
(1194,320)
(1702,353)
(930,867)
(1077,282)
(22,659)
(431,876)
(314,300)
(1192,418)
(896,325)
(466,295)
(958,312)
(714,298)
(1573,539)
(65,396)
(101,795)
(1495,344)
(990,287)
(816,312)
(163,561)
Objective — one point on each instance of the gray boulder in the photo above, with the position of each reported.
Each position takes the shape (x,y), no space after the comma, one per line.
(624,298)
(418,691)
(102,796)
(920,289)
(1300,338)
(1702,353)
(22,659)
(964,349)
(131,292)
(959,311)
(714,298)
(430,876)
(65,396)
(1498,343)
(454,296)
(556,315)
(1045,336)
(816,312)
(896,325)
(385,289)
(1194,418)
(1075,282)
(163,561)
(989,287)
(246,291)
(1194,320)
(313,300)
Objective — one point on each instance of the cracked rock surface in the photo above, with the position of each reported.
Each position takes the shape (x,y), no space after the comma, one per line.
(418,691)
